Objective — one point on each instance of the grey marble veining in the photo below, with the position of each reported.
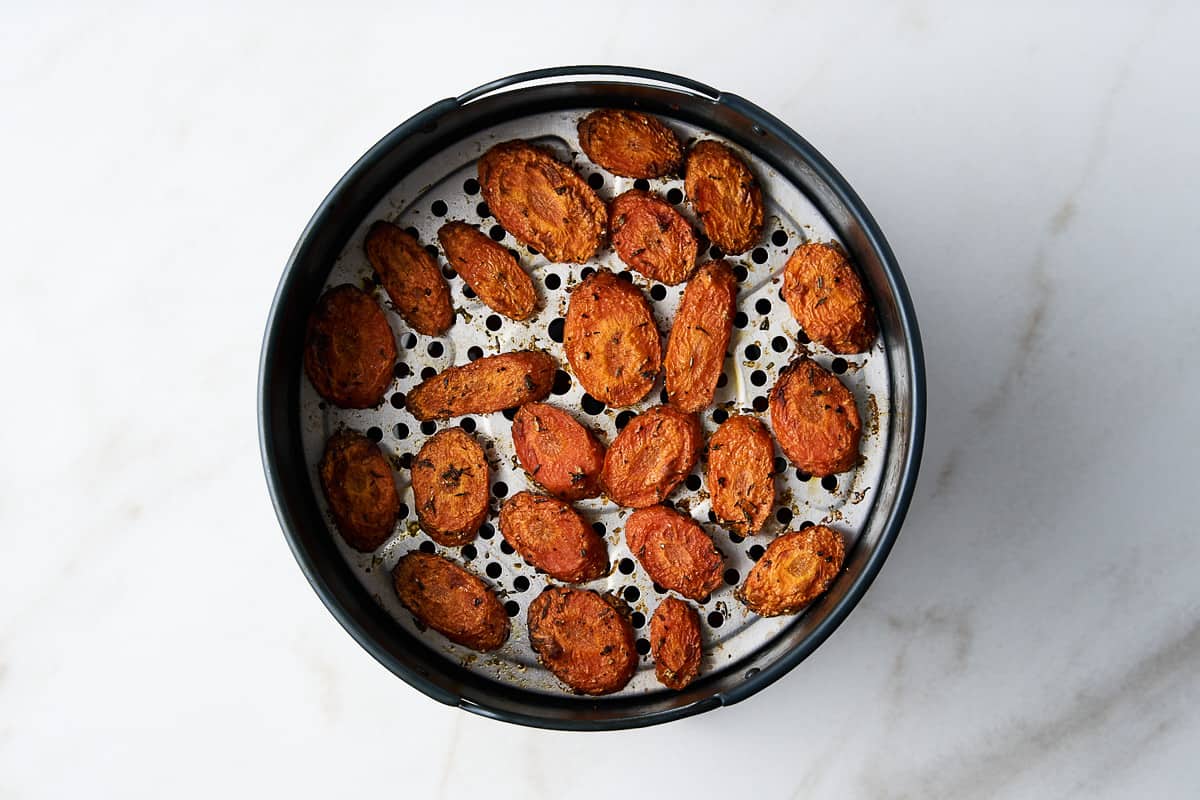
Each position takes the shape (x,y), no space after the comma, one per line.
(1035,631)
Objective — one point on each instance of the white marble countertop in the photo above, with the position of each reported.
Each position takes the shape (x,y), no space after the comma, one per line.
(1036,631)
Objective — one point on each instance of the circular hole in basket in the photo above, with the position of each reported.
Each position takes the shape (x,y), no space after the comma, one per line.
(784,515)
(732,577)
(428,547)
(632,594)
(716,619)
(693,482)
(512,608)
(398,400)
(471,186)
(758,377)
(642,184)
(779,344)
(467,424)
(740,319)
(637,619)
(375,434)
(674,197)
(435,349)
(400,431)
(591,405)
(779,238)
(625,566)
(469,552)
(438,209)
(642,646)
(520,583)
(839,365)
(763,306)
(553,282)
(658,292)
(428,372)
(562,383)
(596,180)
(493,570)
(555,329)
(494,322)
(759,256)
(755,552)
(497,233)
(482,210)
(740,273)
(623,419)
(829,483)
(500,489)
(429,427)
(475,352)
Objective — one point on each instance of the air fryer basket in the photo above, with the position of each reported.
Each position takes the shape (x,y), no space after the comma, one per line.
(420,176)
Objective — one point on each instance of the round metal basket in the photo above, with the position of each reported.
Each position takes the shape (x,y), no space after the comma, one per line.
(421,175)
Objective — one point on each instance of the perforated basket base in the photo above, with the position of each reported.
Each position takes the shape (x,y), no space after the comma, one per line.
(765,338)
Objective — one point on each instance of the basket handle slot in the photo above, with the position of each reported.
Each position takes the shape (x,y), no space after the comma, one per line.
(637,73)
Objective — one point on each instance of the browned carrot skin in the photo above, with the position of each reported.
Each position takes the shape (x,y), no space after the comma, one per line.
(815,419)
(611,340)
(827,298)
(490,384)
(741,484)
(560,454)
(349,349)
(360,490)
(450,487)
(652,237)
(700,335)
(630,144)
(725,196)
(542,202)
(411,277)
(651,456)
(452,601)
(489,269)
(675,643)
(584,638)
(795,570)
(551,536)
(675,551)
